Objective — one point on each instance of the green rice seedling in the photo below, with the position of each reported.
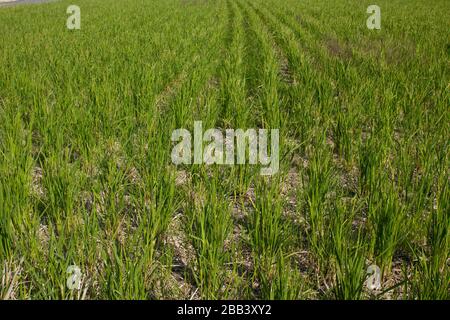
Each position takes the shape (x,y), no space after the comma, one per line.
(430,276)
(269,98)
(318,181)
(342,136)
(269,239)
(15,168)
(371,157)
(280,281)
(349,253)
(126,278)
(208,224)
(387,224)
(233,81)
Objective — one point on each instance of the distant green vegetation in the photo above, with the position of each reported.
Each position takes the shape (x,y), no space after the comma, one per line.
(86,176)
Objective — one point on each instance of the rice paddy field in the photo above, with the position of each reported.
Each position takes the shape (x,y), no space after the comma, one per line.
(87,180)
